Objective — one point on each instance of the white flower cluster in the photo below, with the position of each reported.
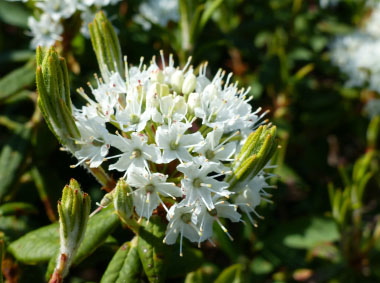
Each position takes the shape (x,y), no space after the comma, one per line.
(48,28)
(176,137)
(158,12)
(358,54)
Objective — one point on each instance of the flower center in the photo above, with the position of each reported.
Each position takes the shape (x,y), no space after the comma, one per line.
(174,145)
(136,153)
(210,154)
(197,183)
(186,217)
(97,142)
(213,212)
(149,188)
(135,119)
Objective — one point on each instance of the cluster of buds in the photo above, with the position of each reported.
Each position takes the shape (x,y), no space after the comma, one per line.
(74,210)
(178,140)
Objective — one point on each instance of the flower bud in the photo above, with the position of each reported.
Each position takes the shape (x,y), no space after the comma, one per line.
(106,46)
(122,200)
(157,76)
(73,209)
(194,101)
(163,90)
(177,81)
(189,84)
(54,97)
(152,100)
(254,155)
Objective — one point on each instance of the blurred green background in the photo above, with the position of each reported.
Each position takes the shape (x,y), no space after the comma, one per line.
(323,225)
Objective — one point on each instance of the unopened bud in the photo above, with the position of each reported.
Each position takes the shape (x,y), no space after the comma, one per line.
(163,90)
(73,209)
(157,76)
(176,81)
(189,84)
(122,200)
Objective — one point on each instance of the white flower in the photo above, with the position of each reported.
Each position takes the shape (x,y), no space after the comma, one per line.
(87,17)
(251,196)
(149,187)
(49,29)
(182,220)
(132,117)
(135,151)
(175,143)
(190,123)
(358,54)
(158,12)
(57,9)
(45,31)
(213,149)
(206,218)
(172,108)
(198,185)
(94,142)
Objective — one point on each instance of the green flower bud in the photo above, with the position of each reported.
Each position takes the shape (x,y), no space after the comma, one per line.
(163,90)
(73,209)
(106,46)
(122,200)
(254,155)
(54,96)
(157,76)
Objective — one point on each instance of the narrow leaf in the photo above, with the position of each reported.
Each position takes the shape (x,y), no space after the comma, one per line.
(17,80)
(99,227)
(125,266)
(37,246)
(12,158)
(231,274)
(152,251)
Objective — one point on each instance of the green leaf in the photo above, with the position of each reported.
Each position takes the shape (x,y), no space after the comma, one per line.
(152,251)
(316,232)
(14,14)
(37,246)
(260,266)
(17,80)
(125,266)
(14,227)
(17,208)
(99,227)
(42,244)
(208,13)
(205,274)
(373,131)
(12,159)
(232,274)
(16,56)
